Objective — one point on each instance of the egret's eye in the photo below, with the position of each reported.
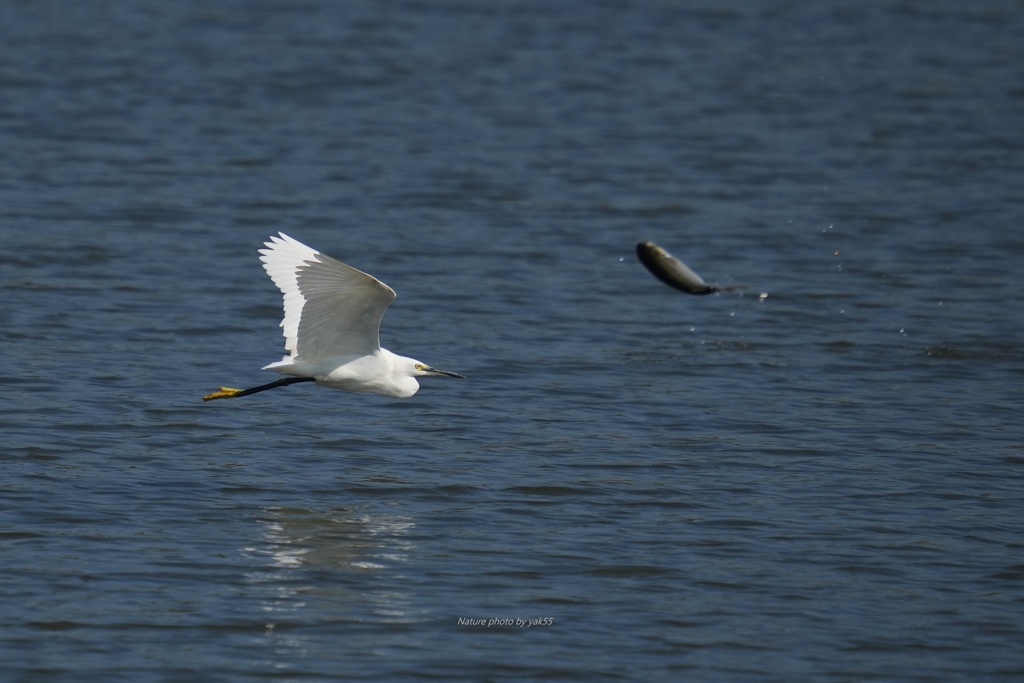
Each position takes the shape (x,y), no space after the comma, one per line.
(421,366)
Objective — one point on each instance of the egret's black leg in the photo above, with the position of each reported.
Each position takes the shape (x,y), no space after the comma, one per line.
(226,392)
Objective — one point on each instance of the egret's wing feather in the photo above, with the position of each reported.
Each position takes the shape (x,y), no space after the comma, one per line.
(329,308)
(281,259)
(343,309)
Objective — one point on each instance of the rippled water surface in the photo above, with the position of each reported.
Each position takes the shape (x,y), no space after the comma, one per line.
(815,474)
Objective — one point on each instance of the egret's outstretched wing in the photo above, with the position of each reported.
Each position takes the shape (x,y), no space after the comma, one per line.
(330,308)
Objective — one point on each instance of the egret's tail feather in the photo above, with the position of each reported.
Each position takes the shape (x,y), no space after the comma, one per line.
(284,362)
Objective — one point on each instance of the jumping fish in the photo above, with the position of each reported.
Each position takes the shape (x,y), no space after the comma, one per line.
(671,270)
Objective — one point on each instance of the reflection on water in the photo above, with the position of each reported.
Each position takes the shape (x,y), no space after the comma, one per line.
(315,563)
(339,538)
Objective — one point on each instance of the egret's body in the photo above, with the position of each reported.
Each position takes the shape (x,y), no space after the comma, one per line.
(331,325)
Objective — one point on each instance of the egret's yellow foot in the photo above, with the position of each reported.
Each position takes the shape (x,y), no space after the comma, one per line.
(223,392)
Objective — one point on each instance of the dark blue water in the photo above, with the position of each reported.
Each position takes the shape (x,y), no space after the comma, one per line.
(816,474)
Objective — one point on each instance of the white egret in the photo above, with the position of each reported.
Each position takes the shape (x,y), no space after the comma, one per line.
(331,326)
